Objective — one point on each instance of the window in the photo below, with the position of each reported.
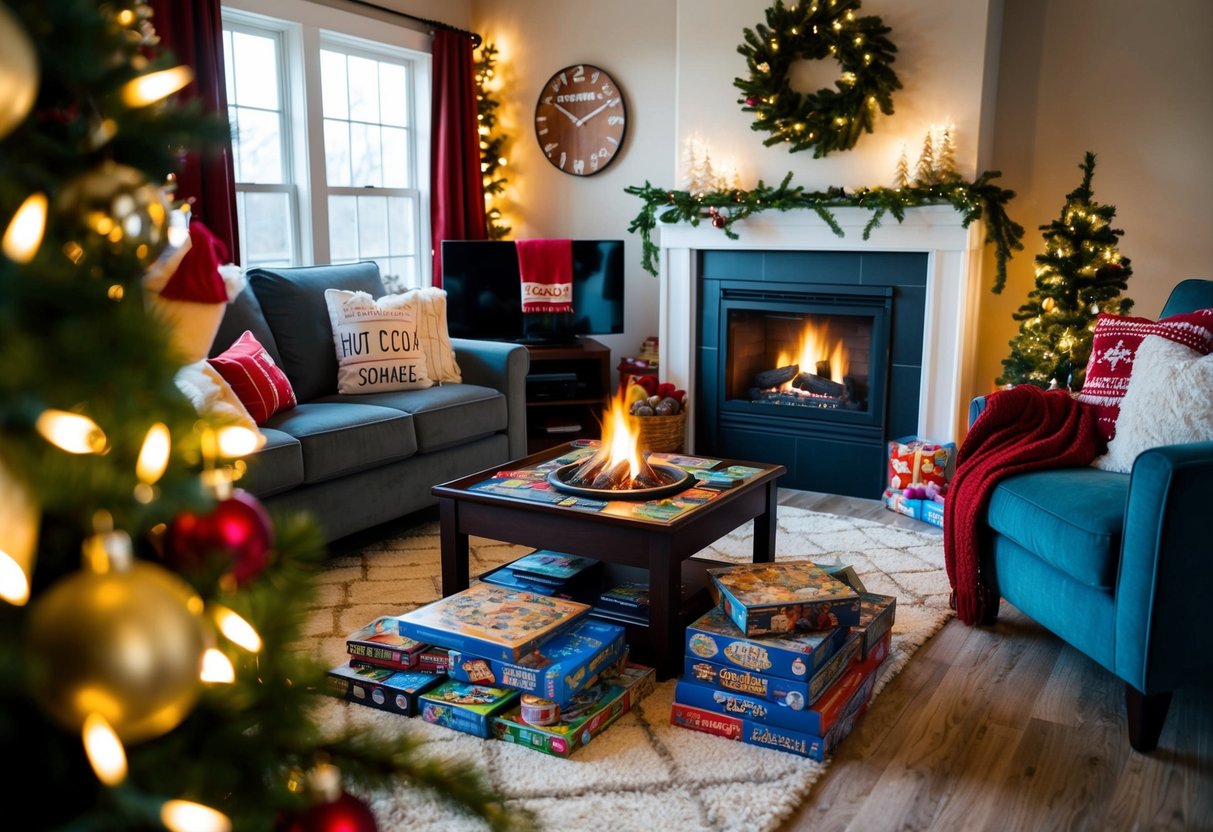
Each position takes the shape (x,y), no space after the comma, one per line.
(327,173)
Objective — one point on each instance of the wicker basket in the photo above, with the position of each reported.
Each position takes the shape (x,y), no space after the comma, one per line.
(663,434)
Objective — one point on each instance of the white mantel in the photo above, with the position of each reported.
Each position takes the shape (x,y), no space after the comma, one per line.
(953,264)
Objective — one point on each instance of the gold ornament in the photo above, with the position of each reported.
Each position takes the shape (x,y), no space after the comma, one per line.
(121,638)
(116,211)
(18,73)
(1047,304)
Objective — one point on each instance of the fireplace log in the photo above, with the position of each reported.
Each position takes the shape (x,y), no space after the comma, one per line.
(583,476)
(614,476)
(774,378)
(820,386)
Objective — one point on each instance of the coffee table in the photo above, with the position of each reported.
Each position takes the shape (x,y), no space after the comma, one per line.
(614,536)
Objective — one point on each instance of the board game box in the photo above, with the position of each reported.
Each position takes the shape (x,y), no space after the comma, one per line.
(507,577)
(464,707)
(759,733)
(876,616)
(563,665)
(796,694)
(715,637)
(380,687)
(380,643)
(586,716)
(491,621)
(838,700)
(434,660)
(767,598)
(557,568)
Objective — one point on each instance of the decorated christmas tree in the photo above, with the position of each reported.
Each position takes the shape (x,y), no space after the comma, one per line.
(150,668)
(1080,274)
(492,142)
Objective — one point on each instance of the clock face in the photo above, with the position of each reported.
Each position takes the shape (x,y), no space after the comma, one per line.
(580,120)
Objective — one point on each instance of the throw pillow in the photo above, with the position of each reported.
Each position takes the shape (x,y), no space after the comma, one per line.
(1114,346)
(259,383)
(211,395)
(435,340)
(1169,401)
(378,348)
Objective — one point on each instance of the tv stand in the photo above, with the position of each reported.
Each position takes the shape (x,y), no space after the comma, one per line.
(566,389)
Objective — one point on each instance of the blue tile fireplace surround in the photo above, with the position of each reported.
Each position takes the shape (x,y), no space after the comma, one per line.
(812,359)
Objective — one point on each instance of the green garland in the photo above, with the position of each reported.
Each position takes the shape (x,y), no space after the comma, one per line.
(825,120)
(980,199)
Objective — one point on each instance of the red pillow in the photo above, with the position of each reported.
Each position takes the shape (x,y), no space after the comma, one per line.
(259,384)
(1114,347)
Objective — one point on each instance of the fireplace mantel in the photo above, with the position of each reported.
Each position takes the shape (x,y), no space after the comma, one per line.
(953,264)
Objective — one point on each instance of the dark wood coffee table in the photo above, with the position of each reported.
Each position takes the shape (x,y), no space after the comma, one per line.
(662,547)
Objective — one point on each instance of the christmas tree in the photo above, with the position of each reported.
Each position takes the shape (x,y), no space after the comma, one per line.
(1080,274)
(150,677)
(492,143)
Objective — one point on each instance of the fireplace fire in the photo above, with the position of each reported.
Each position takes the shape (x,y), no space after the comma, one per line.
(816,375)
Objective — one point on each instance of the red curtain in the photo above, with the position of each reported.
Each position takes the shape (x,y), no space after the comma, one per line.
(193,31)
(456,186)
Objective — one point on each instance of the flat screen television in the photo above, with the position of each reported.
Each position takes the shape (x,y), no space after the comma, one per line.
(484,293)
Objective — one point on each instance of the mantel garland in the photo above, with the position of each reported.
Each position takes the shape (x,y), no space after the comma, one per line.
(980,199)
(827,119)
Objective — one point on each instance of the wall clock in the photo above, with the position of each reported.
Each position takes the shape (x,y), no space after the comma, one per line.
(580,120)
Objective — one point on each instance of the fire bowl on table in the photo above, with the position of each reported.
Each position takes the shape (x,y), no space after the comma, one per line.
(683,479)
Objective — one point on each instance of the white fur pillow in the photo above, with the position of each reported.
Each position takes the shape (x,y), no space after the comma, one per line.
(211,395)
(432,332)
(1169,401)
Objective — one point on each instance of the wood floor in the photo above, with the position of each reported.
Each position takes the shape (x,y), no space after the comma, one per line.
(1007,728)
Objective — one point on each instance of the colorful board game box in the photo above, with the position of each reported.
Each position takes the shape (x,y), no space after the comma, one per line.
(588,714)
(380,687)
(765,598)
(715,637)
(796,694)
(557,568)
(434,660)
(381,643)
(563,666)
(464,707)
(839,700)
(876,616)
(491,621)
(628,597)
(758,733)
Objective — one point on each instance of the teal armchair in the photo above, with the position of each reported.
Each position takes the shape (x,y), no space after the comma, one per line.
(1120,566)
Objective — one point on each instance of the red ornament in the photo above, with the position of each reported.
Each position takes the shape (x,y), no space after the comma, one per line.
(346,813)
(238,531)
(718,220)
(752,101)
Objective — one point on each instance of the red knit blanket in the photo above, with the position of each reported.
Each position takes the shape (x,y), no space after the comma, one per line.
(1022,429)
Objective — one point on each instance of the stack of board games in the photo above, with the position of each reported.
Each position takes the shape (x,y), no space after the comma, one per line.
(801,674)
(547,573)
(385,668)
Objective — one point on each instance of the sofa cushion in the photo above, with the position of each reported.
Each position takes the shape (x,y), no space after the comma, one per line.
(244,315)
(1071,518)
(277,467)
(447,415)
(342,437)
(259,383)
(292,300)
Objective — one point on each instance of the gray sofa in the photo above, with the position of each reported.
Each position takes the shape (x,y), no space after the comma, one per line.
(353,462)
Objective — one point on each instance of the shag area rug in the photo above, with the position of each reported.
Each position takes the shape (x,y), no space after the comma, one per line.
(642,773)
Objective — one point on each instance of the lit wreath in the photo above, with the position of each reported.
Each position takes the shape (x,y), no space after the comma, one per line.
(829,119)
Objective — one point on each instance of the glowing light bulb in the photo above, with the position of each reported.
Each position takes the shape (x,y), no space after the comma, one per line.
(236,441)
(25,230)
(187,816)
(105,752)
(153,456)
(71,432)
(236,629)
(217,668)
(150,88)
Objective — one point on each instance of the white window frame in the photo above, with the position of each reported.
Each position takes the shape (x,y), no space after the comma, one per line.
(304,28)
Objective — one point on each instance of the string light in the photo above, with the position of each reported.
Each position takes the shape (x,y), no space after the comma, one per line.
(18,538)
(25,230)
(104,750)
(235,441)
(187,816)
(153,456)
(236,629)
(71,432)
(150,88)
(217,667)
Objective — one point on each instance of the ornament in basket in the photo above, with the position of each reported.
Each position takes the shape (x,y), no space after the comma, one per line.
(657,411)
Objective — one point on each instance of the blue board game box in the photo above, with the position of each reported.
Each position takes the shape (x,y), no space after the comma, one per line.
(562,666)
(784,597)
(876,616)
(796,694)
(464,707)
(716,638)
(380,687)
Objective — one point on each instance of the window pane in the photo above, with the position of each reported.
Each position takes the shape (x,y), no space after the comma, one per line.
(343,228)
(266,227)
(333,84)
(256,61)
(229,74)
(365,155)
(392,95)
(259,147)
(372,226)
(395,158)
(364,89)
(401,229)
(337,152)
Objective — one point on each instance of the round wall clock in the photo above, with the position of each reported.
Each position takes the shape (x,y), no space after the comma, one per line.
(580,120)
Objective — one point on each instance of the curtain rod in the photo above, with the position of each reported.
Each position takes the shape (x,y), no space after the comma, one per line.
(437,24)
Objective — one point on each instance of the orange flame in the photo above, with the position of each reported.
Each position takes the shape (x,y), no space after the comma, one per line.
(815,345)
(620,439)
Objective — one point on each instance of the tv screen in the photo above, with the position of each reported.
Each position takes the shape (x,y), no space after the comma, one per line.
(484,293)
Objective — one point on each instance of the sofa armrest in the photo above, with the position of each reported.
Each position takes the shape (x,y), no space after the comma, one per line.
(502,366)
(977,406)
(1166,570)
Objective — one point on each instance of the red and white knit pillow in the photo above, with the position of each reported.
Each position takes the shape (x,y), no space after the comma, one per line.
(259,383)
(1114,347)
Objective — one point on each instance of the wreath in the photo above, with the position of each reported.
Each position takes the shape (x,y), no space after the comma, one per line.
(828,119)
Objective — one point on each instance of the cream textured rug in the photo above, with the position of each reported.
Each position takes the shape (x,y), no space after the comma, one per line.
(642,773)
